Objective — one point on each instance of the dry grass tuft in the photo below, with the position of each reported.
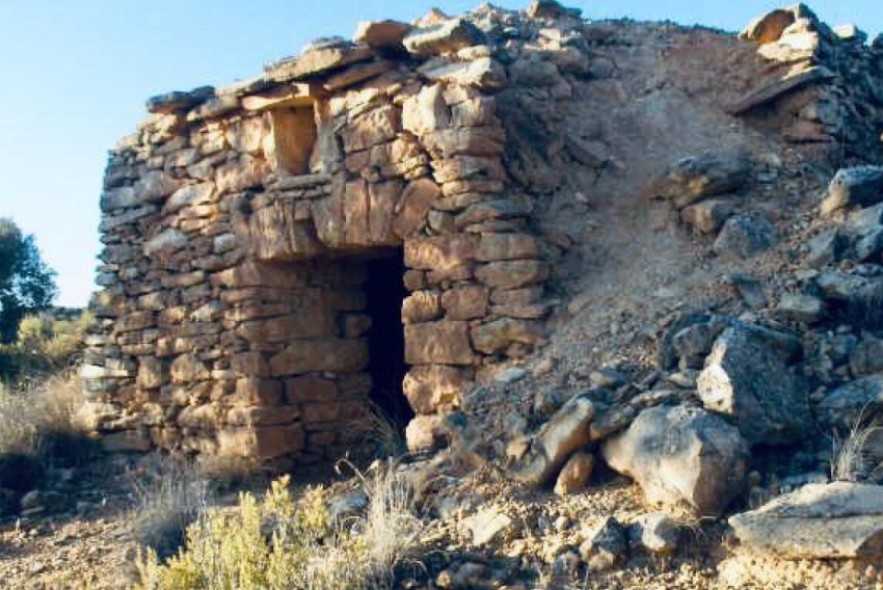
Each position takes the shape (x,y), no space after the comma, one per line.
(382,433)
(855,458)
(40,425)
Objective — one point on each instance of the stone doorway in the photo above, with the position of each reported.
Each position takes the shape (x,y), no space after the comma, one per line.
(384,293)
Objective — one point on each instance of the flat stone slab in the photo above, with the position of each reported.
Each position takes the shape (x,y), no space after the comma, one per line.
(840,520)
(787,83)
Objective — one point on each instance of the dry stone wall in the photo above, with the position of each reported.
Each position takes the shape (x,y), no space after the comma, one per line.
(238,225)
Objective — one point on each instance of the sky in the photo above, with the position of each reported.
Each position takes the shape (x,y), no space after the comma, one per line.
(74,75)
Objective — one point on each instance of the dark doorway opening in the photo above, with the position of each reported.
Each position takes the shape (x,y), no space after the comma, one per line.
(385,292)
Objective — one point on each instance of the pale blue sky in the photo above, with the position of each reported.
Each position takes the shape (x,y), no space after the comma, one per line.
(75,74)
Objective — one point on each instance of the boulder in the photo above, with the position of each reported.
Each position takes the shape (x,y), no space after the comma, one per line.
(840,520)
(567,431)
(694,178)
(747,379)
(682,456)
(447,37)
(862,185)
(745,236)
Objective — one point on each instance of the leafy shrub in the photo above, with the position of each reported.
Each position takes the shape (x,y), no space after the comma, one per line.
(44,345)
(275,543)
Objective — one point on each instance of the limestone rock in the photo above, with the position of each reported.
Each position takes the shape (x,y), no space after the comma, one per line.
(694,178)
(747,379)
(575,474)
(605,546)
(496,335)
(682,455)
(176,101)
(657,533)
(867,357)
(769,27)
(707,216)
(840,520)
(485,73)
(435,387)
(800,308)
(444,343)
(387,34)
(447,37)
(745,236)
(425,433)
(550,9)
(487,525)
(567,431)
(317,59)
(794,79)
(862,186)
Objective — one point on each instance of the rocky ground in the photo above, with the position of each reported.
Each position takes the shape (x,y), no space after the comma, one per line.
(702,415)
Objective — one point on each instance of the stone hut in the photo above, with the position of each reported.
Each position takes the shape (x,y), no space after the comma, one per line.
(337,230)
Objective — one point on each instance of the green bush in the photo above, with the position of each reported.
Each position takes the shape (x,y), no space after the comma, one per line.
(276,543)
(43,346)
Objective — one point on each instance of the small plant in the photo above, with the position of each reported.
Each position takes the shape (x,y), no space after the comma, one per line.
(276,543)
(854,458)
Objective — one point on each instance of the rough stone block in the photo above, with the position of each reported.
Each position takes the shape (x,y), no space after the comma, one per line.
(430,389)
(513,274)
(332,355)
(440,252)
(465,303)
(265,442)
(496,336)
(438,343)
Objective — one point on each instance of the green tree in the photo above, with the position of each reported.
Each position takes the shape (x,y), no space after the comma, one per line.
(27,285)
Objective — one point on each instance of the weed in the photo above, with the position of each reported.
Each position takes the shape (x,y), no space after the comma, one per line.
(854,458)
